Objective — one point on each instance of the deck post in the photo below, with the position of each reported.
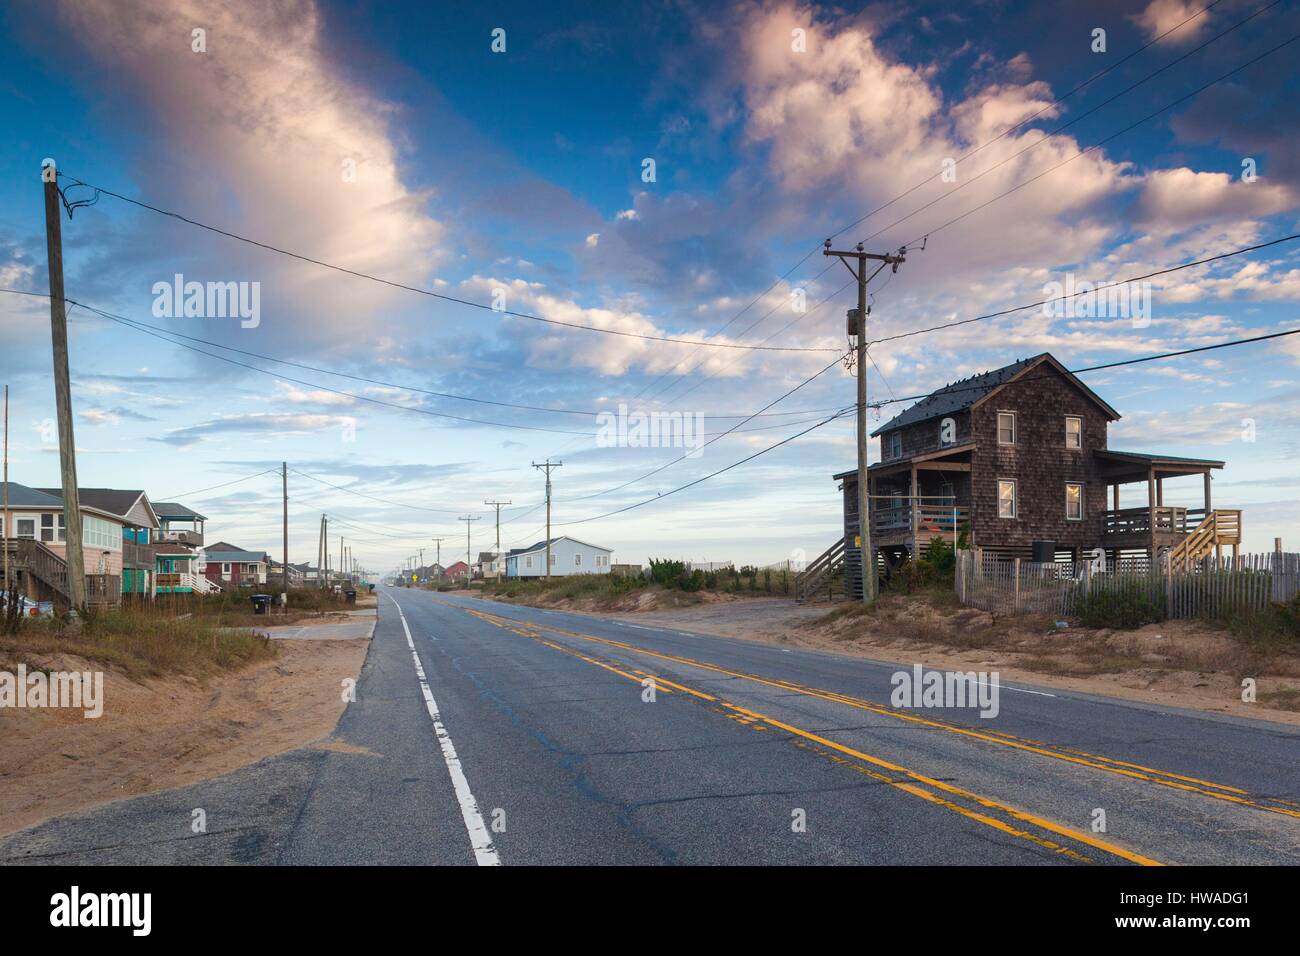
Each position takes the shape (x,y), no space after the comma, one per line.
(1115,496)
(1207,493)
(1151,510)
(915,507)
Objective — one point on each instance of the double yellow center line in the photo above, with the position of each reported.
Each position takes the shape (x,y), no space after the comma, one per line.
(976,807)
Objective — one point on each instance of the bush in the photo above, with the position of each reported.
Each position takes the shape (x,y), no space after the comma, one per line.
(1123,609)
(666,571)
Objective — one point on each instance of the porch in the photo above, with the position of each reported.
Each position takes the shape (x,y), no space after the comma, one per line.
(1186,533)
(924,497)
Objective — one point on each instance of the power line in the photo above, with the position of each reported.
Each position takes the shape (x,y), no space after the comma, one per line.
(1097,368)
(1061,298)
(785,441)
(199,491)
(907,192)
(144,327)
(360,494)
(426,292)
(1047,136)
(1101,143)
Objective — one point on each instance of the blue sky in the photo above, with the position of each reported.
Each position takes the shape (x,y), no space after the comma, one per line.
(521,171)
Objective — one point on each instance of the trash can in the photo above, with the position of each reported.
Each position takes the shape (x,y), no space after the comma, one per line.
(350,596)
(261,603)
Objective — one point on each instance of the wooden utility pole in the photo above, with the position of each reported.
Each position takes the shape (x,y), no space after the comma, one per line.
(469,567)
(63,392)
(858,328)
(320,553)
(438,543)
(546,467)
(284,577)
(4,513)
(342,563)
(497,552)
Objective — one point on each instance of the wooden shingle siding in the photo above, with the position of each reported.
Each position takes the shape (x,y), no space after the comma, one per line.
(1040,463)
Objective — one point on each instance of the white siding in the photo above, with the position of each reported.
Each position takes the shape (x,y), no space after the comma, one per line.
(570,557)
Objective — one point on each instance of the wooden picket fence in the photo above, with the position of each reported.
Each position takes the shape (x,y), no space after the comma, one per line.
(1211,587)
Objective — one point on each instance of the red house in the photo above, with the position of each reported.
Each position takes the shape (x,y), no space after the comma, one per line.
(458,570)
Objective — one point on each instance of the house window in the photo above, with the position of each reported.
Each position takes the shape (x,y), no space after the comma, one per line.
(225,567)
(47,528)
(1074,500)
(894,445)
(1073,431)
(98,533)
(1006,428)
(528,561)
(26,527)
(553,557)
(577,559)
(1006,498)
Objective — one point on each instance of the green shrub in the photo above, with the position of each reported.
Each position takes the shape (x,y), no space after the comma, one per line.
(1126,608)
(666,571)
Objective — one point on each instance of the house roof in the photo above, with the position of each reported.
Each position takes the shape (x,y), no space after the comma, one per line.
(1128,466)
(961,395)
(21,496)
(486,556)
(541,546)
(224,556)
(171,547)
(171,509)
(113,501)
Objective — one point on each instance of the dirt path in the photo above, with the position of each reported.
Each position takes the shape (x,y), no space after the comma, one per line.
(156,734)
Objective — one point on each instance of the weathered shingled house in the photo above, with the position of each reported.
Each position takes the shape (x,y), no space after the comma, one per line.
(1019,458)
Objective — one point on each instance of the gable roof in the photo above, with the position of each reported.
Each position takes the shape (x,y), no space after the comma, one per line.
(113,501)
(541,546)
(968,392)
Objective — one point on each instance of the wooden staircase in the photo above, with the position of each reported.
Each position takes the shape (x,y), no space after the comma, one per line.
(44,565)
(1221,526)
(820,573)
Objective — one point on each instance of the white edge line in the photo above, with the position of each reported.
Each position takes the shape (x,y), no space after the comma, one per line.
(485,854)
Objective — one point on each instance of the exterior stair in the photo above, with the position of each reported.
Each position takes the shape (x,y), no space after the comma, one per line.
(51,570)
(820,572)
(1220,527)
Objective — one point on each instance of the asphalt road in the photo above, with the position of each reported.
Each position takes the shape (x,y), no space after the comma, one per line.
(491,734)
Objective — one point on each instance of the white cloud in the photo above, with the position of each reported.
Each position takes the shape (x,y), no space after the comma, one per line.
(1162,15)
(277,131)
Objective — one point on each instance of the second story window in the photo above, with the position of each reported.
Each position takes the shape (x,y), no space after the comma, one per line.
(1073,431)
(894,445)
(1006,428)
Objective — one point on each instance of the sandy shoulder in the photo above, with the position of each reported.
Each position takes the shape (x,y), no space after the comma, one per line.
(156,734)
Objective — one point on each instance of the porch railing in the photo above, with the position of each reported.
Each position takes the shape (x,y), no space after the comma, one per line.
(1168,518)
(931,520)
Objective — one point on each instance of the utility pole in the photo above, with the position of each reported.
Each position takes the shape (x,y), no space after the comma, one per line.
(10,600)
(469,567)
(438,559)
(63,392)
(320,554)
(497,505)
(284,583)
(421,568)
(546,467)
(858,328)
(342,562)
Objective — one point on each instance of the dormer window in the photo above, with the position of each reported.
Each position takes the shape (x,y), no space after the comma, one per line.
(1006,428)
